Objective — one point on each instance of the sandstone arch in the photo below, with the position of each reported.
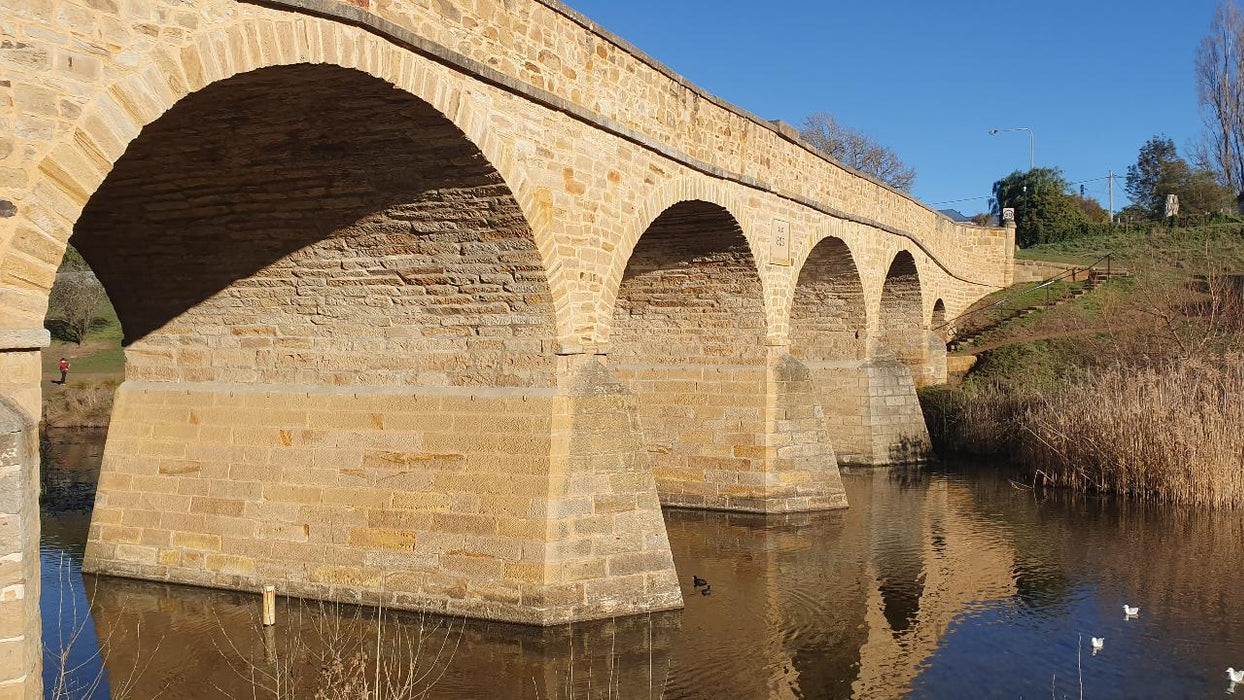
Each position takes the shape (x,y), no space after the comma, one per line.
(937,324)
(829,335)
(73,167)
(318,306)
(829,317)
(688,338)
(900,317)
(673,194)
(691,288)
(242,241)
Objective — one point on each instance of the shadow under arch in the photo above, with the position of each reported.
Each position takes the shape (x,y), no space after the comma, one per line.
(309,223)
(900,319)
(688,335)
(829,317)
(120,107)
(937,323)
(690,280)
(674,194)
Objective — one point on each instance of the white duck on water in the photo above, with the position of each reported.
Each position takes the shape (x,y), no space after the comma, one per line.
(1098,643)
(1130,611)
(1235,676)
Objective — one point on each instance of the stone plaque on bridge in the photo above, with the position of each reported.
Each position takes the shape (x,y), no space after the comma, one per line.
(779,250)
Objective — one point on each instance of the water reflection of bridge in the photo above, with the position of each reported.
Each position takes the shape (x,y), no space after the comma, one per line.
(843,605)
(840,605)
(961,562)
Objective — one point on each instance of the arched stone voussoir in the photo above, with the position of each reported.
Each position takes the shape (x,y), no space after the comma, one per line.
(73,169)
(833,233)
(659,201)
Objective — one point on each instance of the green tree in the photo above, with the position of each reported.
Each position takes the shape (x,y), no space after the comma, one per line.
(1044,211)
(1202,193)
(1159,171)
(1091,208)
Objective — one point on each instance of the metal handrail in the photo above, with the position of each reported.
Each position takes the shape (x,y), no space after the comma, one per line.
(1040,285)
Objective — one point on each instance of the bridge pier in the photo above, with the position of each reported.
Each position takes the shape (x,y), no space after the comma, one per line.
(526,505)
(741,438)
(20,624)
(872,414)
(933,369)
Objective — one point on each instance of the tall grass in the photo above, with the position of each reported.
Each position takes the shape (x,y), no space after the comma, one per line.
(1146,399)
(1169,432)
(80,404)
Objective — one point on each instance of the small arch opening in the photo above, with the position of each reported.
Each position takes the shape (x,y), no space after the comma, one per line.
(828,319)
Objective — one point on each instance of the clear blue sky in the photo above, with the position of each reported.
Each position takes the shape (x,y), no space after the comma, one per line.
(1094,79)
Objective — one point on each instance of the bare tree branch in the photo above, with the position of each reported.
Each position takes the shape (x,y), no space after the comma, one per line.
(1219,72)
(857,150)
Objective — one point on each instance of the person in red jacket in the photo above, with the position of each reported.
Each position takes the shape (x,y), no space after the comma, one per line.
(63,366)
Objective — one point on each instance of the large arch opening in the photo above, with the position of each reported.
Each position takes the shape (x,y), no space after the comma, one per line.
(312,224)
(828,319)
(339,371)
(938,324)
(690,293)
(829,334)
(688,338)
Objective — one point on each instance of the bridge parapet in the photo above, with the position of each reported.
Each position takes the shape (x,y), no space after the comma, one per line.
(551,53)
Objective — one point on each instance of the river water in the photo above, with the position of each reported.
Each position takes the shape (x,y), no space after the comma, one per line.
(948,582)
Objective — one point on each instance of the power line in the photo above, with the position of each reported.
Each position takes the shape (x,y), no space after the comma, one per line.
(989,196)
(956,201)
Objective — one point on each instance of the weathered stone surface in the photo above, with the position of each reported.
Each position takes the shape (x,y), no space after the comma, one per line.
(20,641)
(487,525)
(321,220)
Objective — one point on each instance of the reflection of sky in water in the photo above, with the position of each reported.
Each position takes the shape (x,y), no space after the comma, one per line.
(68,628)
(1012,650)
(68,492)
(931,585)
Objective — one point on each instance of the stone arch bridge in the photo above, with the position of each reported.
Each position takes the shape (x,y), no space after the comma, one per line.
(436,303)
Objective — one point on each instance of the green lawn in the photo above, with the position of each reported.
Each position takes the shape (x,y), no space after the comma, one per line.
(100,353)
(1117,322)
(1184,249)
(105,360)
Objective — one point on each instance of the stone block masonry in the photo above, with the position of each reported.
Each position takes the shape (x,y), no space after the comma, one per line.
(595,271)
(531,506)
(20,641)
(265,247)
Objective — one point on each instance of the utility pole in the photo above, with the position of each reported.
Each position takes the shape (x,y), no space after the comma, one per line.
(1111,178)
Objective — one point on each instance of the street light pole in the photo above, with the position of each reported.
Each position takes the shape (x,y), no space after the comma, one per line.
(1032,143)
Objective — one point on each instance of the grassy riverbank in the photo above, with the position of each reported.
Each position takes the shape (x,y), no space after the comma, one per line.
(1136,388)
(97,366)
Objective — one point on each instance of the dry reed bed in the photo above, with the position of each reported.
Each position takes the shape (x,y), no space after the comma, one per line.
(81,405)
(1171,431)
